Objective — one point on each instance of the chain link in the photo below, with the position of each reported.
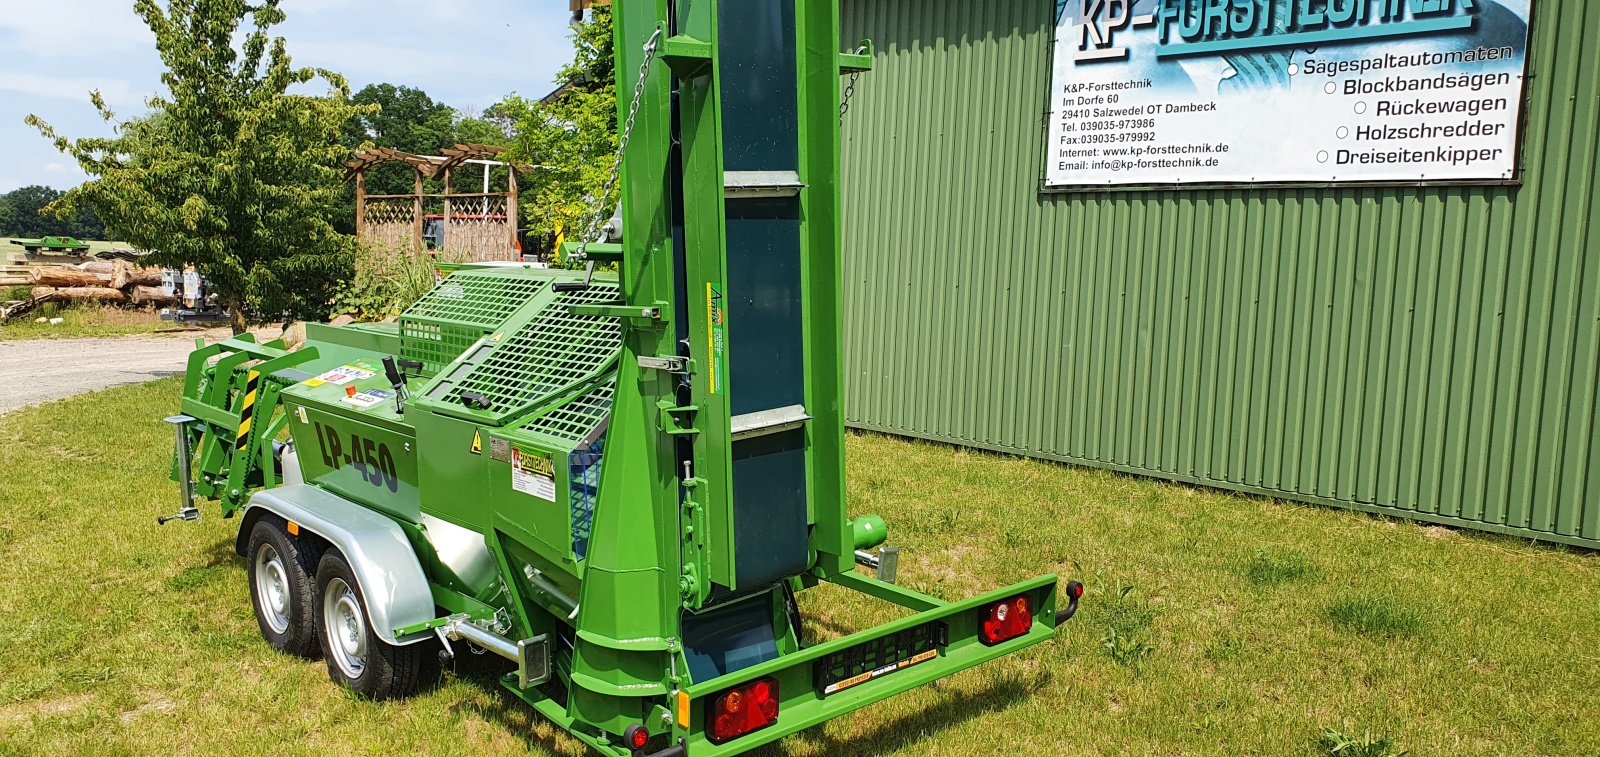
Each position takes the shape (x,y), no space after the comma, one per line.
(598,214)
(850,88)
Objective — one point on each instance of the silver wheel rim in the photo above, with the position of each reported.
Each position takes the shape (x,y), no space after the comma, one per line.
(345,627)
(272,589)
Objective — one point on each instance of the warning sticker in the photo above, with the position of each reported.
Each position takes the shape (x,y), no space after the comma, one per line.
(344,374)
(477,442)
(368,398)
(532,473)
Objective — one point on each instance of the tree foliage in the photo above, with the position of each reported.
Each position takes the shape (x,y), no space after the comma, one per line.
(232,173)
(22,214)
(570,137)
(404,119)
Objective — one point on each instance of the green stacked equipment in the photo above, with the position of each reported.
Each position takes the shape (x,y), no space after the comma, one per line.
(52,244)
(616,481)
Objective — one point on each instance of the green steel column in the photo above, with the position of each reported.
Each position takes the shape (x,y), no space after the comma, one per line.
(823,278)
(628,609)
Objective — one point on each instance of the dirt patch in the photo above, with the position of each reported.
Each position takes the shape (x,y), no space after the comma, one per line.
(157,705)
(22,712)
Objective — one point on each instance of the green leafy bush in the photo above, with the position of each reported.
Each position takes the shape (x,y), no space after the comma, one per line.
(387,281)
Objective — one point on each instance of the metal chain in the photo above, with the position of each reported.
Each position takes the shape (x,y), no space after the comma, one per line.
(850,89)
(598,214)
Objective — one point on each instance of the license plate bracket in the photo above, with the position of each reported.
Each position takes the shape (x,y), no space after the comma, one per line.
(875,658)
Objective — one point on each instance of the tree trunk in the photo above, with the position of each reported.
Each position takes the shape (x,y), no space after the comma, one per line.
(126,274)
(38,292)
(236,316)
(69,277)
(16,281)
(85,294)
(148,295)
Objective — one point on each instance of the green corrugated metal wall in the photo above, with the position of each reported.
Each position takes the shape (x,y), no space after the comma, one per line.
(1425,352)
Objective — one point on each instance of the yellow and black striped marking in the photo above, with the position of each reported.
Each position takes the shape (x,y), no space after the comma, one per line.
(252,382)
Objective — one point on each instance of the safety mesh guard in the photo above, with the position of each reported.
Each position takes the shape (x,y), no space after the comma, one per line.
(554,352)
(573,421)
(584,487)
(461,310)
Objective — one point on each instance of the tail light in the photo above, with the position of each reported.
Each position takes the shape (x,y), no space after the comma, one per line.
(742,709)
(636,737)
(1006,620)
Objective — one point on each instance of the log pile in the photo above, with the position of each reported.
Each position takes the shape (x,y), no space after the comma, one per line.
(113,282)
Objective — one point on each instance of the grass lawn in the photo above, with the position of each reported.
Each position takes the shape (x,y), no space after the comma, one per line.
(84,320)
(1213,624)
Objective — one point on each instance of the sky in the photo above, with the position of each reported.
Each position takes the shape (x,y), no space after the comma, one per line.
(467,55)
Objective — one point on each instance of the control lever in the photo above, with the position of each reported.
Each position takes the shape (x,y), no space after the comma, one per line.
(576,286)
(397,381)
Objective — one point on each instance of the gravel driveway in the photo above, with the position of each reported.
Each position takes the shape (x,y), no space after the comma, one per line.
(39,370)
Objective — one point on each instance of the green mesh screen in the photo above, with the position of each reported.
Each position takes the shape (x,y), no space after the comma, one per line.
(460,311)
(573,421)
(553,353)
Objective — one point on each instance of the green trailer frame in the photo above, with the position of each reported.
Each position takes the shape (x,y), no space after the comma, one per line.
(467,494)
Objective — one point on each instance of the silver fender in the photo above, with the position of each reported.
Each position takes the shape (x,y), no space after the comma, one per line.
(385,565)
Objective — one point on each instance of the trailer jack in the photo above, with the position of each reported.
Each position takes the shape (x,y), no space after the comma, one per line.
(188,512)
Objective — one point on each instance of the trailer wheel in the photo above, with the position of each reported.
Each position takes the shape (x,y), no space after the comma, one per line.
(356,657)
(282,590)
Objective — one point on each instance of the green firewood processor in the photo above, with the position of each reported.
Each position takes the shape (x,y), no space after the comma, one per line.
(617,481)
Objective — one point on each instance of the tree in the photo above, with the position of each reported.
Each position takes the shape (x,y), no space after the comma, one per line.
(8,218)
(233,174)
(571,135)
(26,213)
(26,203)
(404,119)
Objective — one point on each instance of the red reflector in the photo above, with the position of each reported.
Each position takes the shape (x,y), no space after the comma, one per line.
(637,736)
(1006,620)
(743,709)
(1076,589)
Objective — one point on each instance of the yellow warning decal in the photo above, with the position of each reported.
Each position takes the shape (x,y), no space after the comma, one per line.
(251,383)
(313,382)
(885,670)
(477,442)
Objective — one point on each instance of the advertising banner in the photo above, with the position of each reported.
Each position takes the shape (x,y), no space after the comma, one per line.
(1150,92)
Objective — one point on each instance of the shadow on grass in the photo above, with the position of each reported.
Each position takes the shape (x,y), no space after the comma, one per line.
(922,725)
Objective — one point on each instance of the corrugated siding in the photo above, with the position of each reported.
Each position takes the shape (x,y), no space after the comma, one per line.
(1431,353)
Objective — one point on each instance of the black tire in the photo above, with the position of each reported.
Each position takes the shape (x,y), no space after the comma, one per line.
(283,589)
(357,658)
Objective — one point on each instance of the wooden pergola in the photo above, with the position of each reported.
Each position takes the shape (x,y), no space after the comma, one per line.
(489,233)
